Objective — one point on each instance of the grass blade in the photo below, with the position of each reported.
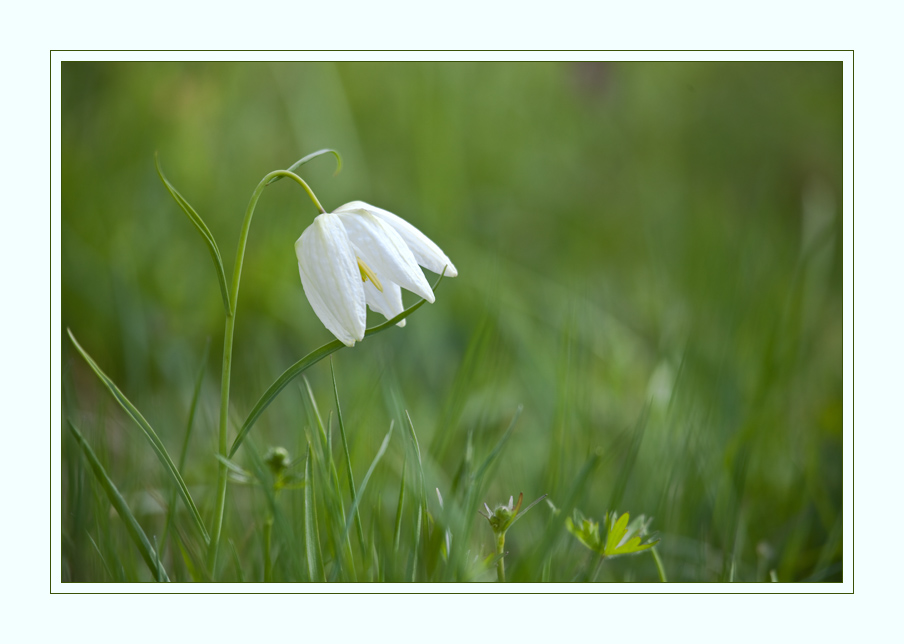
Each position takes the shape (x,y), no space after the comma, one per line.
(311,538)
(309,360)
(630,459)
(235,562)
(103,559)
(537,559)
(150,434)
(421,527)
(330,481)
(324,441)
(132,526)
(366,478)
(348,460)
(488,461)
(195,218)
(184,451)
(397,535)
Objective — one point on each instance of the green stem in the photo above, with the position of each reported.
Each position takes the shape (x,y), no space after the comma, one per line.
(268,564)
(297,179)
(223,445)
(596,569)
(500,552)
(659,567)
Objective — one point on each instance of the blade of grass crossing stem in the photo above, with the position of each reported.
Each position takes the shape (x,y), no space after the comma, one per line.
(313,558)
(366,478)
(348,459)
(311,359)
(151,436)
(195,219)
(171,511)
(122,508)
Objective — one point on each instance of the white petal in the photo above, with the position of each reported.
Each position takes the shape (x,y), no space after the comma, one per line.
(330,277)
(384,251)
(424,250)
(389,302)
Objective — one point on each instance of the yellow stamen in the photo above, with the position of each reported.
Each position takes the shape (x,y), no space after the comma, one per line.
(368,274)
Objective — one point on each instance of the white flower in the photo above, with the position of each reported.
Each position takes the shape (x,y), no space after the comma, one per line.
(359,256)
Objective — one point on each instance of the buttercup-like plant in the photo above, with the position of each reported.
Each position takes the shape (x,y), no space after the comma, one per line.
(354,257)
(621,536)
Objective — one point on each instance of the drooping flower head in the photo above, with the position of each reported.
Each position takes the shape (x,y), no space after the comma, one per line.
(359,256)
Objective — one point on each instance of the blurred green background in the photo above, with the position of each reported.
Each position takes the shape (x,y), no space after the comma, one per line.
(649,261)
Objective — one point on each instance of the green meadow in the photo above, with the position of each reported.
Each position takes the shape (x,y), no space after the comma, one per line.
(646,321)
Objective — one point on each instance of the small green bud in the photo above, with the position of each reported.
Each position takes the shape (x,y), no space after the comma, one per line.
(503,516)
(277,459)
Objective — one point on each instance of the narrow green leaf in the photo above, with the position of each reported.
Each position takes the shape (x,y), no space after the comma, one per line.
(366,478)
(101,555)
(150,434)
(311,538)
(468,375)
(193,571)
(132,526)
(397,535)
(630,459)
(235,562)
(233,467)
(199,379)
(543,550)
(311,156)
(195,218)
(331,481)
(348,459)
(311,359)
(324,441)
(421,527)
(161,574)
(524,511)
(478,476)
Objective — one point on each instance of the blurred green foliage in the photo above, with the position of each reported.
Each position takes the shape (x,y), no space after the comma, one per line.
(649,259)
